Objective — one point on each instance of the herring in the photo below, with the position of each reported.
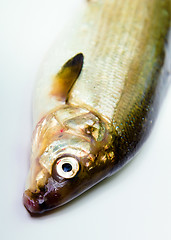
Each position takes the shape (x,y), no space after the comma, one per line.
(94,111)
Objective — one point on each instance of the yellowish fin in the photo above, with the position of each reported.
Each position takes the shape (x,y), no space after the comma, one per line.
(66,77)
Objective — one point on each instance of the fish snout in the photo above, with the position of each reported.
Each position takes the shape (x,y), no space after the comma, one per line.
(33,202)
(46,199)
(37,203)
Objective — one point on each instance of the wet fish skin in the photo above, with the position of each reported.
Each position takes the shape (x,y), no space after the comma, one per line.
(101,129)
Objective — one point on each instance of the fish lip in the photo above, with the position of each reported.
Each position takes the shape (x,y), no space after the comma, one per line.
(34,202)
(40,202)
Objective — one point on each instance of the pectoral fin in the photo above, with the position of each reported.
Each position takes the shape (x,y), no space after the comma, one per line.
(66,77)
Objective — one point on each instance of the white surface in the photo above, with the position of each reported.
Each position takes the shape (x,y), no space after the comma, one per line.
(133,204)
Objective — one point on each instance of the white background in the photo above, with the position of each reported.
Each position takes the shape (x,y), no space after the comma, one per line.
(133,204)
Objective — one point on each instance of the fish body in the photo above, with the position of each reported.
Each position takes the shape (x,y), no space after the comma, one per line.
(93,111)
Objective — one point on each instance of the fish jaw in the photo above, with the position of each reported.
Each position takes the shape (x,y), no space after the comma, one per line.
(44,200)
(31,203)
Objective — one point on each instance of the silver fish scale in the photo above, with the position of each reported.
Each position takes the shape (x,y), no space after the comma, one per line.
(111,37)
(107,62)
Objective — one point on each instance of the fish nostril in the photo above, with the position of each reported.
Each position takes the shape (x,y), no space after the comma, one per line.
(67,167)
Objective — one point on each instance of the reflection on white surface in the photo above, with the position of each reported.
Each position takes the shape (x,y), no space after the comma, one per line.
(133,204)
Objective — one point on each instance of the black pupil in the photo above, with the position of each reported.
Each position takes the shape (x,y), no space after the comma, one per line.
(67,167)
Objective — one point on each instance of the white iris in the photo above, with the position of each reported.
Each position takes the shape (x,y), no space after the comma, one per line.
(67,167)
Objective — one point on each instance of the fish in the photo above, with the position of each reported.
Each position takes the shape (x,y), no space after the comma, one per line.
(96,98)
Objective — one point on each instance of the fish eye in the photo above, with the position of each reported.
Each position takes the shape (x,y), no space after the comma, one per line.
(67,167)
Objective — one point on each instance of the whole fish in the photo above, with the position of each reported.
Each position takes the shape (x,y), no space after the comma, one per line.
(96,98)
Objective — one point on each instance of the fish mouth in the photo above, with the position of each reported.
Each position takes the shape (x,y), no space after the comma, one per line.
(40,202)
(34,202)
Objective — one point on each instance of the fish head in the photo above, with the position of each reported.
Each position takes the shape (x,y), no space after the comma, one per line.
(68,157)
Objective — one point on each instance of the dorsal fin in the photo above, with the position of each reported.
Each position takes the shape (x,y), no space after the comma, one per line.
(66,77)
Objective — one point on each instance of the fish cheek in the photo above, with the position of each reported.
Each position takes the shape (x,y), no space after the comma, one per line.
(60,190)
